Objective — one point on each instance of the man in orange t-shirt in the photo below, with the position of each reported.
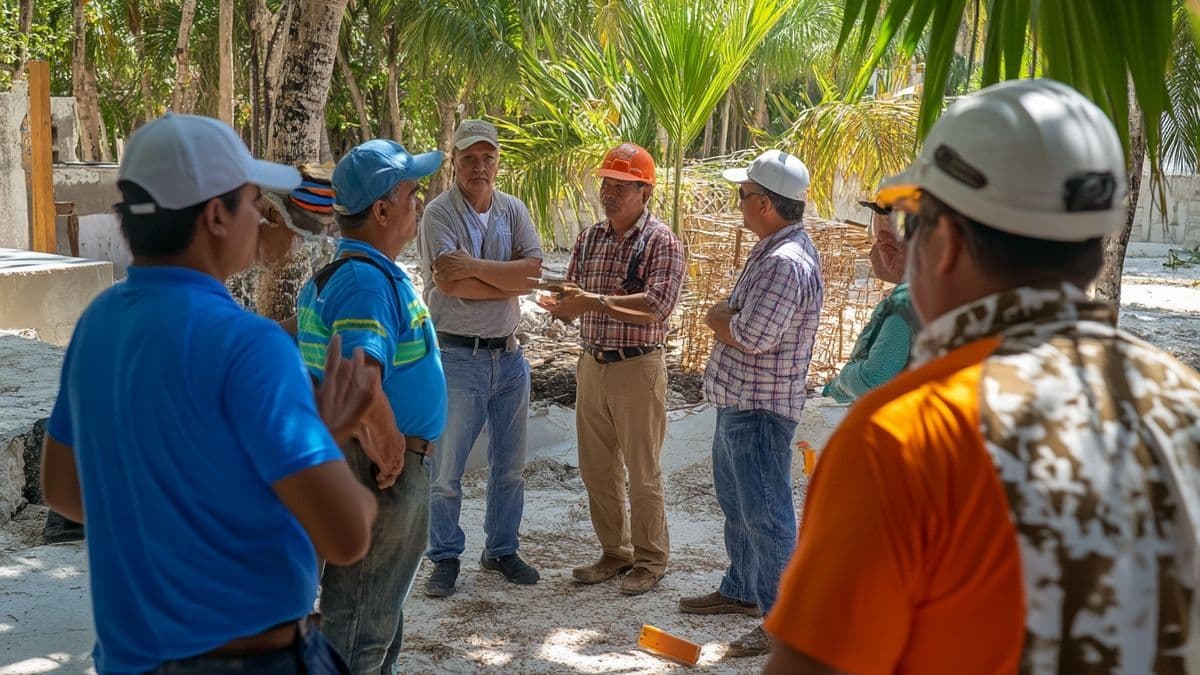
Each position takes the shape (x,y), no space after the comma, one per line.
(1025,499)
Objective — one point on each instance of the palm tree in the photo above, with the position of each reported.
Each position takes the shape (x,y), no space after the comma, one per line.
(1125,76)
(687,53)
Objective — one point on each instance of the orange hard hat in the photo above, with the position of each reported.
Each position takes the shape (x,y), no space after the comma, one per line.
(628,161)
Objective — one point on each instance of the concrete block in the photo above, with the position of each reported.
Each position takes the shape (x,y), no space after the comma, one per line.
(29,376)
(65,123)
(47,293)
(14,210)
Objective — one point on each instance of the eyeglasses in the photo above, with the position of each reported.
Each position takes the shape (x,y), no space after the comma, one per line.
(743,195)
(618,186)
(905,223)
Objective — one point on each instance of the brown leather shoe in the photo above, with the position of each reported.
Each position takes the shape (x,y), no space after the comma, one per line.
(717,603)
(754,643)
(603,569)
(639,581)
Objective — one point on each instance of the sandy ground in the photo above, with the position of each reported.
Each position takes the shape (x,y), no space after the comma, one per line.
(555,626)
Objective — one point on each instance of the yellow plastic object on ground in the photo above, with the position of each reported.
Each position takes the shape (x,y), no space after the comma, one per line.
(810,457)
(662,643)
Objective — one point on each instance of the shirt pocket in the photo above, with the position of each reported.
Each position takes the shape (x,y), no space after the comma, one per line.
(500,239)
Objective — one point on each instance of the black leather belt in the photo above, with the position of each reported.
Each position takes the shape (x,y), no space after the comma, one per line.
(614,355)
(473,342)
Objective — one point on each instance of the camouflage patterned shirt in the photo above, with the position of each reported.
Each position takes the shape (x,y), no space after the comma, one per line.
(1036,466)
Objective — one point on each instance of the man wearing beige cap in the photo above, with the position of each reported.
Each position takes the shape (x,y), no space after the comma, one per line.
(479,251)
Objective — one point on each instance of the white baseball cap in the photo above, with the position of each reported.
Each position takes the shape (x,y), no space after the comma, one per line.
(184,160)
(775,170)
(1029,157)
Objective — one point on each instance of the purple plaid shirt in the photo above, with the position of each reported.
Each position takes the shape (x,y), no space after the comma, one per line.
(777,305)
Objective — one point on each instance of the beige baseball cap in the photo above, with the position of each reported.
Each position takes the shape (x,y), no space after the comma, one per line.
(470,132)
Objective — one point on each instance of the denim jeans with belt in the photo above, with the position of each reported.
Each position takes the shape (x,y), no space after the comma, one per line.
(363,604)
(483,386)
(752,473)
(311,654)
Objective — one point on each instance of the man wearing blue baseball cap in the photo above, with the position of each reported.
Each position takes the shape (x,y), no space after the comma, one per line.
(364,298)
(187,436)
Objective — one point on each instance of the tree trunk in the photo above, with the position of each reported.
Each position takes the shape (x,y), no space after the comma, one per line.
(1108,285)
(24,25)
(724,144)
(105,155)
(88,124)
(225,62)
(761,119)
(304,82)
(706,144)
(139,48)
(360,106)
(183,72)
(446,121)
(277,49)
(393,87)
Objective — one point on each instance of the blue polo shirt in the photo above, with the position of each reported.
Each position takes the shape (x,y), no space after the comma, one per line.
(382,313)
(183,409)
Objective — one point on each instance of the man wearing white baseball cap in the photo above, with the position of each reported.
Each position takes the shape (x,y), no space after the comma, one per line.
(187,436)
(1026,497)
(756,376)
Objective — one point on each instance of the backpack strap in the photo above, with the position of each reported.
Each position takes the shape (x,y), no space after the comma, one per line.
(323,275)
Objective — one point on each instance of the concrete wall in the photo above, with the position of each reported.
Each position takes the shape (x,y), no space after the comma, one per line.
(93,188)
(14,212)
(64,126)
(47,293)
(1180,225)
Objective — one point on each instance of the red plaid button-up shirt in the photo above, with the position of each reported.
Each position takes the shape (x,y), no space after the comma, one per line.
(600,263)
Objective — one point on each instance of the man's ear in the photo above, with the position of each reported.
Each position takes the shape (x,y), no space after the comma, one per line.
(647,194)
(952,244)
(215,217)
(379,211)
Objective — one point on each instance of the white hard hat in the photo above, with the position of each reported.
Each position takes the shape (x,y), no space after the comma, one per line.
(184,160)
(1029,157)
(775,170)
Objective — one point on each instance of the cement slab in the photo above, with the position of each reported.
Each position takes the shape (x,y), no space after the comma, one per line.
(48,292)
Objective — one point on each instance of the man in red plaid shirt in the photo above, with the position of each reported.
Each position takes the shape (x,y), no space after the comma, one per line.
(624,281)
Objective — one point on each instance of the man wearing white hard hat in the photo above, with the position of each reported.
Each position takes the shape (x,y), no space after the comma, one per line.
(187,436)
(756,377)
(1024,498)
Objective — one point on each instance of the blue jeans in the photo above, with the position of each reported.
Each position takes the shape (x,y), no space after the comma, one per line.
(362,605)
(492,386)
(752,473)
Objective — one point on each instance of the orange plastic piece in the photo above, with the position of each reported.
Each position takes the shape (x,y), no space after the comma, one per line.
(810,457)
(662,643)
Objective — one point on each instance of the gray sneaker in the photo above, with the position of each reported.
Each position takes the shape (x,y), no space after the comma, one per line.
(754,643)
(440,583)
(511,566)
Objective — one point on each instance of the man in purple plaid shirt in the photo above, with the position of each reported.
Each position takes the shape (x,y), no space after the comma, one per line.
(756,376)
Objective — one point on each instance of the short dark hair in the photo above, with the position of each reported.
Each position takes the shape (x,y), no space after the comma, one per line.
(1015,258)
(790,210)
(162,232)
(353,221)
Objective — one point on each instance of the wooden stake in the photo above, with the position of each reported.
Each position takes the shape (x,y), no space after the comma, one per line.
(41,175)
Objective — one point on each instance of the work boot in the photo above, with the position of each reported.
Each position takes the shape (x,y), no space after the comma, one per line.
(603,569)
(511,566)
(440,583)
(639,581)
(754,643)
(717,603)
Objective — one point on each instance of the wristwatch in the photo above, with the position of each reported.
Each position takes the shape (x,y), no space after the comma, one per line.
(603,301)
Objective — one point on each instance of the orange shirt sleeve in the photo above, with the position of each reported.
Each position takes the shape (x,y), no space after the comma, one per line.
(846,597)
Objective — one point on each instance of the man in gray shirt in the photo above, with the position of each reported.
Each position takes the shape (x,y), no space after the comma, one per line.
(479,252)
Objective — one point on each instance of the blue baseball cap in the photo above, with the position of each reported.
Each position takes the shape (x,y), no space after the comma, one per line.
(370,170)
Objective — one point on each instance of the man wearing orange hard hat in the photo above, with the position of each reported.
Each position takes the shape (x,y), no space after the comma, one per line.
(623,280)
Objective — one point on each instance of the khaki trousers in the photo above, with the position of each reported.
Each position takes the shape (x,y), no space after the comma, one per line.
(621,420)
